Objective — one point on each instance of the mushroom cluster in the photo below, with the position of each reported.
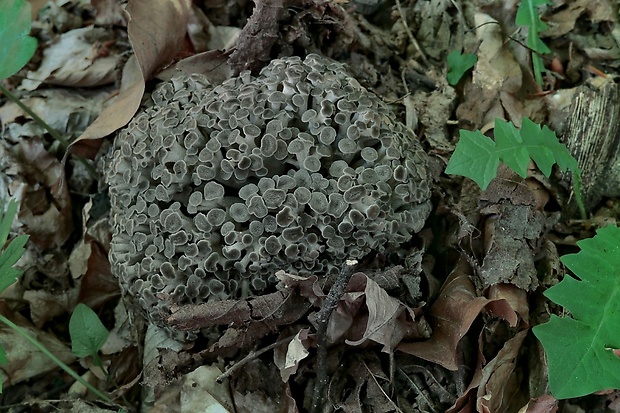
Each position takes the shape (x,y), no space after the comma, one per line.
(215,188)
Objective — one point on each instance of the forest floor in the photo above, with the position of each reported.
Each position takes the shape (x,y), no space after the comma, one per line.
(461,340)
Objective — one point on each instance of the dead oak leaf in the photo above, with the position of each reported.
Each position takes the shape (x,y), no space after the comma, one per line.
(388,319)
(156,31)
(450,316)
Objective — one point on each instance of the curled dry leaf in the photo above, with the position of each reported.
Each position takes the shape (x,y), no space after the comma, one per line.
(388,320)
(200,391)
(543,404)
(287,357)
(500,386)
(509,303)
(156,31)
(450,316)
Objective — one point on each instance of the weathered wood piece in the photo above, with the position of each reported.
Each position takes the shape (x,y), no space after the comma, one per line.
(593,137)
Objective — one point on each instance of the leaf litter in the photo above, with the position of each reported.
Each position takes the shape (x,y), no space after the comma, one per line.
(447,332)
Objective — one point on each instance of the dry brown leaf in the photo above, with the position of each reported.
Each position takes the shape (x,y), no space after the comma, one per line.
(495,78)
(455,309)
(98,284)
(500,387)
(388,319)
(109,12)
(24,359)
(156,31)
(75,60)
(67,111)
(200,391)
(49,222)
(45,305)
(212,64)
(543,404)
(267,311)
(509,303)
(564,20)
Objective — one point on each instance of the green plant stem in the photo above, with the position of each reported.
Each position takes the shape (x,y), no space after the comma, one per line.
(578,197)
(63,142)
(55,359)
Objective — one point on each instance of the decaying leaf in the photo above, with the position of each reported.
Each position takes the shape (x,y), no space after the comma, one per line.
(76,60)
(288,357)
(450,316)
(24,359)
(156,30)
(388,320)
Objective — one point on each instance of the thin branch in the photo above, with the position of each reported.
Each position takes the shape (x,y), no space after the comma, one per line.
(331,302)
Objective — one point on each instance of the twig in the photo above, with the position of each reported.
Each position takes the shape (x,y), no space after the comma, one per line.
(412,39)
(322,320)
(251,356)
(389,399)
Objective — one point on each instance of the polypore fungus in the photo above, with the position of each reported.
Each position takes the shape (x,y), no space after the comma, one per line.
(214,189)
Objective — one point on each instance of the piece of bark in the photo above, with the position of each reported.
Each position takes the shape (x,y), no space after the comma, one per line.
(593,137)
(253,47)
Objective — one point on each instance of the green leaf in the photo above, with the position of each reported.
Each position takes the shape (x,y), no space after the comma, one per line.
(6,219)
(88,334)
(528,15)
(580,349)
(14,250)
(458,64)
(477,156)
(511,149)
(16,46)
(546,149)
(474,157)
(8,258)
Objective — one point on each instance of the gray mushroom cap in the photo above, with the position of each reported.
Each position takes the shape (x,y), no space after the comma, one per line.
(214,189)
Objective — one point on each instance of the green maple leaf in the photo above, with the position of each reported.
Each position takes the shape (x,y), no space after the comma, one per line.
(458,64)
(16,46)
(580,349)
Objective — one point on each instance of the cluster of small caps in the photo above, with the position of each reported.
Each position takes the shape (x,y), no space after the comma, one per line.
(214,189)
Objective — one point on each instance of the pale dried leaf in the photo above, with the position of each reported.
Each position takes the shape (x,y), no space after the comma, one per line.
(200,392)
(500,386)
(25,361)
(75,60)
(45,305)
(296,350)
